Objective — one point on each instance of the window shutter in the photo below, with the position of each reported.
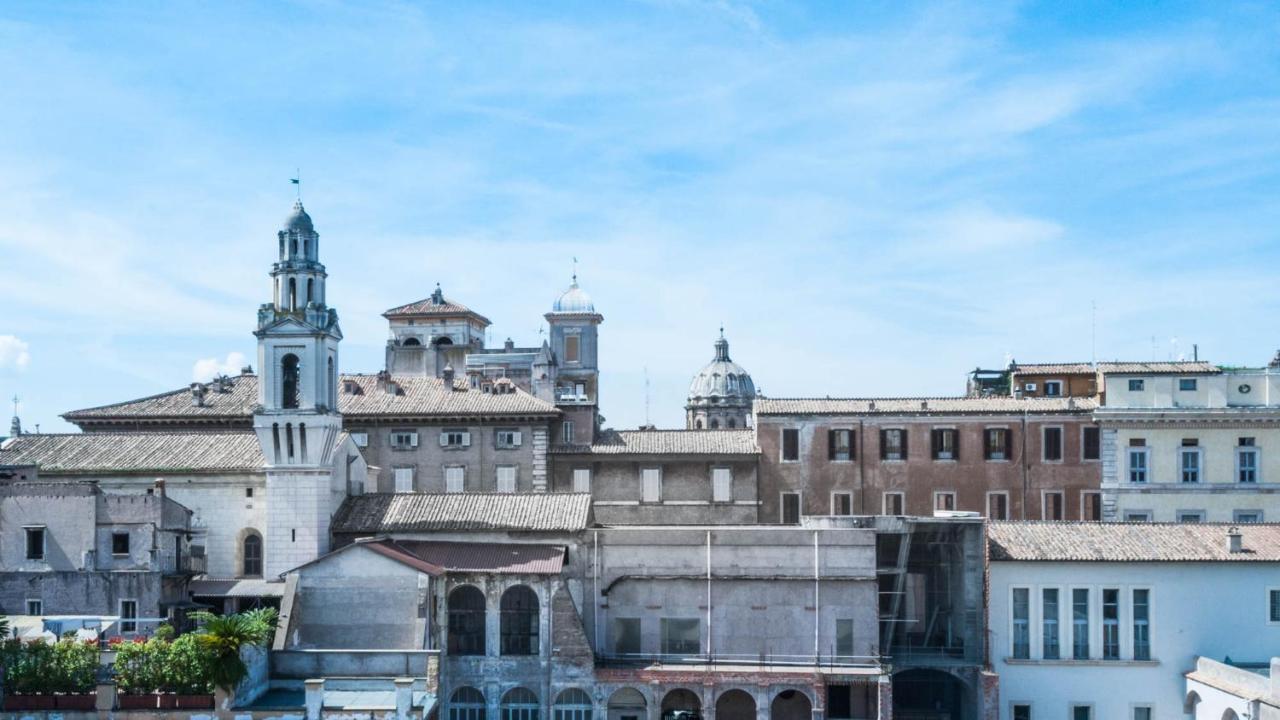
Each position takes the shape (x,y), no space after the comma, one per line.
(884,446)
(515,438)
(1008,444)
(413,439)
(904,443)
(444,439)
(935,437)
(466,439)
(853,446)
(831,444)
(955,444)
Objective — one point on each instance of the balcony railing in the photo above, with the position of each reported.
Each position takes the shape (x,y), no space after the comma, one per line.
(762,660)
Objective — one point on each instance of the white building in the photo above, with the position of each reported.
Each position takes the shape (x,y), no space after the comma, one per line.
(1100,621)
(1190,442)
(1233,691)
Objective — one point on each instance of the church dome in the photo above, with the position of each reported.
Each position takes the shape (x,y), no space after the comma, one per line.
(574,300)
(299,219)
(722,381)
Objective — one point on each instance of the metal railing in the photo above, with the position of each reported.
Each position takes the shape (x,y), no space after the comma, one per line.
(763,660)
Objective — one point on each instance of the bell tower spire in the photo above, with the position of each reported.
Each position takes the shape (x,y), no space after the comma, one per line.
(297,420)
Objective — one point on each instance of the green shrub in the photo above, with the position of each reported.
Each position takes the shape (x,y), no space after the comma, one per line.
(66,666)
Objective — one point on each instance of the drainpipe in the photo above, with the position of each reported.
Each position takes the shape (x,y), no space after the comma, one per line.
(710,635)
(862,470)
(1026,487)
(595,590)
(817,609)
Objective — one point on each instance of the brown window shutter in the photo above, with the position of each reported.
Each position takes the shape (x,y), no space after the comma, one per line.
(955,444)
(884,447)
(986,444)
(1008,444)
(831,444)
(853,446)
(935,440)
(904,443)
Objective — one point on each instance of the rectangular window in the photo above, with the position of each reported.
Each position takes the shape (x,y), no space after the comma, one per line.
(35,543)
(1052,444)
(248,492)
(1053,503)
(1142,712)
(997,506)
(841,503)
(1141,624)
(1081,712)
(1021,624)
(790,508)
(404,479)
(507,439)
(945,444)
(1137,385)
(893,444)
(944,501)
(404,439)
(893,503)
(361,439)
(1190,516)
(1052,645)
(1138,472)
(1246,516)
(35,607)
(721,485)
(572,349)
(844,638)
(1091,506)
(995,444)
(1187,384)
(1137,516)
(1091,443)
(120,543)
(1021,711)
(1189,464)
(790,445)
(128,614)
(840,445)
(455,479)
(1273,605)
(1247,464)
(626,636)
(680,637)
(453,439)
(1053,388)
(566,432)
(1110,624)
(582,480)
(651,485)
(1080,624)
(506,478)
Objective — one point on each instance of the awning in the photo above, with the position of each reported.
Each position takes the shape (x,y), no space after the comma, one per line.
(236,588)
(502,558)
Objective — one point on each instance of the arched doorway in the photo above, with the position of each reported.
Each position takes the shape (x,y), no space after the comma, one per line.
(791,705)
(735,705)
(928,695)
(1191,703)
(627,704)
(681,704)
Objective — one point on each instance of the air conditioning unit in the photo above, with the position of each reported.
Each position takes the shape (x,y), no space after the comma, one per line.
(1029,387)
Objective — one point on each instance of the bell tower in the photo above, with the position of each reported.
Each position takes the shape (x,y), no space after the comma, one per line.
(297,420)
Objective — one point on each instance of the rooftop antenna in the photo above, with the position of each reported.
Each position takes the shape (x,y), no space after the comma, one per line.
(575,269)
(297,180)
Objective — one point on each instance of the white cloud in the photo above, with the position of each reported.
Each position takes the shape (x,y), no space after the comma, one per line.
(14,353)
(206,369)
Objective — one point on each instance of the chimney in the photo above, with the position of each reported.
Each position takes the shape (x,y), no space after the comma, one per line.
(383,377)
(197,394)
(160,487)
(448,376)
(509,345)
(924,404)
(1235,541)
(246,370)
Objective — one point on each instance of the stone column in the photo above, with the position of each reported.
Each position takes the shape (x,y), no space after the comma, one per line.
(404,698)
(884,698)
(314,701)
(105,696)
(762,703)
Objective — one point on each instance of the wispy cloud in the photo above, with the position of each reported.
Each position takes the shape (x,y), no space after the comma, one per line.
(14,353)
(206,369)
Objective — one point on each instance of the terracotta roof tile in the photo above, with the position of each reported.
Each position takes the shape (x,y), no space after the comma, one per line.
(434,305)
(922,406)
(379,513)
(1130,542)
(165,452)
(668,442)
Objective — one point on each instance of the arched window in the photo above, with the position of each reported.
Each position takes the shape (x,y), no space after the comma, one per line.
(519,621)
(466,621)
(697,424)
(333,385)
(572,704)
(412,342)
(519,704)
(289,381)
(251,551)
(293,293)
(715,424)
(293,246)
(466,703)
(311,286)
(732,382)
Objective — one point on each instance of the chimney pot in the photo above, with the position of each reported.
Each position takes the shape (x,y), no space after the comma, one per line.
(1235,541)
(160,487)
(448,376)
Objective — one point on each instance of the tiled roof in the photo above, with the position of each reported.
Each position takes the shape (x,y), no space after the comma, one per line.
(921,406)
(434,305)
(490,557)
(1054,369)
(1157,368)
(1130,542)
(379,513)
(667,442)
(159,452)
(414,396)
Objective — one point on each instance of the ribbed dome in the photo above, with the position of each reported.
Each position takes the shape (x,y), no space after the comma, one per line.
(722,378)
(299,219)
(574,300)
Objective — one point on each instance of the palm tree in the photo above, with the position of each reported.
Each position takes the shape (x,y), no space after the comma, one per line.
(224,635)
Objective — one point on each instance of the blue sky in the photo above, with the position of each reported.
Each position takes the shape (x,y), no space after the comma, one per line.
(872,197)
